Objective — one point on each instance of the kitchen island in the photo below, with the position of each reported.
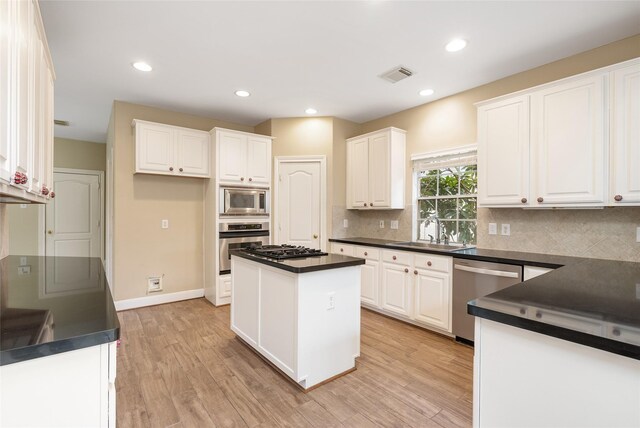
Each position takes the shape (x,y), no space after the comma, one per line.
(302,315)
(58,349)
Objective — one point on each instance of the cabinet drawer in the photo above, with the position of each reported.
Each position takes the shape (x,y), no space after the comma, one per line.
(399,257)
(432,262)
(346,250)
(367,253)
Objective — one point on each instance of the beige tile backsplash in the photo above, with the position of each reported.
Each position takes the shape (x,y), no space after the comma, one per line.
(608,233)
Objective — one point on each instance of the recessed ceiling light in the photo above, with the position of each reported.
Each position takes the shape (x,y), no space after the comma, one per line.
(426,92)
(242,93)
(311,111)
(142,66)
(456,45)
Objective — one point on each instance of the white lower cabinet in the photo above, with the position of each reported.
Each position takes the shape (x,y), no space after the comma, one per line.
(225,286)
(433,298)
(370,276)
(396,289)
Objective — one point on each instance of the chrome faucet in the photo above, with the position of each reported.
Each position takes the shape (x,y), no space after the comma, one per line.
(437,220)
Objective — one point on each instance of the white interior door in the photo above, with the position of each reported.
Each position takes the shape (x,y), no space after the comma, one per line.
(73,216)
(299,203)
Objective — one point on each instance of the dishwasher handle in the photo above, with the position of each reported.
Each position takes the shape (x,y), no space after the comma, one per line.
(488,271)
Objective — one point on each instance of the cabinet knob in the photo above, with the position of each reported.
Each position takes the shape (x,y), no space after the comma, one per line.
(366,254)
(394,257)
(250,179)
(241,178)
(50,232)
(181,170)
(429,263)
(342,250)
(53,194)
(370,204)
(365,204)
(170,168)
(523,200)
(415,272)
(617,198)
(406,270)
(540,199)
(44,190)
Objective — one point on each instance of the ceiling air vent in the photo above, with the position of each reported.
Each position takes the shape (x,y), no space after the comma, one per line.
(397,74)
(61,122)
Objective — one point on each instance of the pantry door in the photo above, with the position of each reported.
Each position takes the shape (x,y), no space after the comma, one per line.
(74,217)
(300,201)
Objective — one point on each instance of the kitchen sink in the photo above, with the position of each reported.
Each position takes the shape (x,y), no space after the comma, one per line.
(452,246)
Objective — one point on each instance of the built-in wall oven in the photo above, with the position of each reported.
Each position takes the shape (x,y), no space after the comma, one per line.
(235,236)
(235,201)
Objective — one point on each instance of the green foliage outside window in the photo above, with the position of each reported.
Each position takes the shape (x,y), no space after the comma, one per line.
(449,194)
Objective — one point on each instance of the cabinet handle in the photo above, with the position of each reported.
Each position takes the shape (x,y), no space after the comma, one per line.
(523,200)
(394,257)
(366,254)
(406,270)
(241,178)
(540,199)
(370,204)
(250,179)
(415,272)
(429,263)
(170,168)
(617,198)
(181,170)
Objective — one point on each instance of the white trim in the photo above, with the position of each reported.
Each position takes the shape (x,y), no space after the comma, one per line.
(158,299)
(42,227)
(322,159)
(446,152)
(390,128)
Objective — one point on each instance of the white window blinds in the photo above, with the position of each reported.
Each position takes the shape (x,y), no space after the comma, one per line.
(461,156)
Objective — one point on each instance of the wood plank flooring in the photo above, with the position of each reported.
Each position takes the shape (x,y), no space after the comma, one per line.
(180,365)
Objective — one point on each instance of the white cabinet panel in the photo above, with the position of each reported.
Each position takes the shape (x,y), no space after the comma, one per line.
(358,171)
(503,153)
(6,97)
(193,152)
(225,286)
(369,286)
(433,300)
(155,148)
(344,249)
(24,145)
(243,159)
(396,289)
(232,156)
(244,318)
(379,164)
(625,136)
(259,160)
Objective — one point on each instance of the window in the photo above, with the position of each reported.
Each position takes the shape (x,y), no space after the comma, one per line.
(447,187)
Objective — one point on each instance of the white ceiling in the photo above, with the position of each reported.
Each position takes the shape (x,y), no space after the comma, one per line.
(293,55)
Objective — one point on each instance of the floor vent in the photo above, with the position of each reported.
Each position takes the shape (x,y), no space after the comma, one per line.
(397,74)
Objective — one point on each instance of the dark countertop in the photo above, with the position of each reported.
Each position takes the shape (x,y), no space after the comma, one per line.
(50,305)
(587,301)
(305,264)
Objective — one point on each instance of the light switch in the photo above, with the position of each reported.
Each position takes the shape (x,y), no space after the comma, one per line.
(493,228)
(165,224)
(506,229)
(394,224)
(345,223)
(381,224)
(638,234)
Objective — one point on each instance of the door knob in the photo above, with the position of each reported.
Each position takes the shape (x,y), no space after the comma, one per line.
(315,236)
(50,232)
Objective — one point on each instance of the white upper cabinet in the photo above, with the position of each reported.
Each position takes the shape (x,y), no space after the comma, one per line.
(625,136)
(376,170)
(569,145)
(171,150)
(243,159)
(503,153)
(26,103)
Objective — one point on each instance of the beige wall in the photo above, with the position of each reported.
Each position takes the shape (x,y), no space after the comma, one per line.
(451,122)
(140,247)
(77,154)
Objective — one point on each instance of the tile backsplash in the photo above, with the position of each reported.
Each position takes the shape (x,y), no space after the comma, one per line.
(366,223)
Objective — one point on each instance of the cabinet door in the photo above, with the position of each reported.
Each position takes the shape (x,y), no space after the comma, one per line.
(625,136)
(6,98)
(155,148)
(379,173)
(232,160)
(503,153)
(225,286)
(37,88)
(569,143)
(245,295)
(433,303)
(358,173)
(258,160)
(22,36)
(370,274)
(396,289)
(48,128)
(193,152)
(345,250)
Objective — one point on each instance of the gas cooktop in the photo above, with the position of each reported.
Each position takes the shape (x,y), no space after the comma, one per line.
(282,252)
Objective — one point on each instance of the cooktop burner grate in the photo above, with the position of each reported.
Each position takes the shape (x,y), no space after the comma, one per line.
(283,252)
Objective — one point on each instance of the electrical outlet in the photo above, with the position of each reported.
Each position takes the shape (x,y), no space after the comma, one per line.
(394,224)
(24,270)
(506,229)
(345,223)
(165,224)
(381,224)
(638,234)
(332,301)
(154,284)
(493,229)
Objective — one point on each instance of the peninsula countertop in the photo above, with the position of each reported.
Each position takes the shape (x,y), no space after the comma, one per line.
(592,302)
(51,305)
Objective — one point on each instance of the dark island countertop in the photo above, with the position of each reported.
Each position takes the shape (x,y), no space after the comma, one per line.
(50,305)
(305,264)
(587,301)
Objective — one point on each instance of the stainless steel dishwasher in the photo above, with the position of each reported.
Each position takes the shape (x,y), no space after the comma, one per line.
(473,279)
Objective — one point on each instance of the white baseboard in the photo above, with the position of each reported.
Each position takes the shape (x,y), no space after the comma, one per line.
(158,299)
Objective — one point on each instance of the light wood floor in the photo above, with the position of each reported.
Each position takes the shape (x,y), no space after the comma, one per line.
(179,365)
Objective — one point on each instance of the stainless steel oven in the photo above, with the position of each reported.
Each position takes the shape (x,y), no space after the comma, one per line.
(235,236)
(236,201)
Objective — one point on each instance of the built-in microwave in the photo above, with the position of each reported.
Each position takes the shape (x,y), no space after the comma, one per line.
(242,201)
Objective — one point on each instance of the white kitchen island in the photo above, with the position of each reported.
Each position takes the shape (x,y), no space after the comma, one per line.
(302,315)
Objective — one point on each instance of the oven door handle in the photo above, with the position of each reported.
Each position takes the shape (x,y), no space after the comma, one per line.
(487,271)
(243,234)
